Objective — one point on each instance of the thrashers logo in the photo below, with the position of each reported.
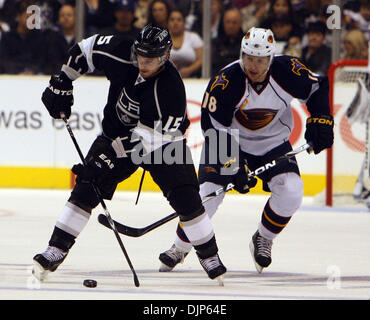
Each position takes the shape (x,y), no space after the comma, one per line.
(255,119)
(220,81)
(297,66)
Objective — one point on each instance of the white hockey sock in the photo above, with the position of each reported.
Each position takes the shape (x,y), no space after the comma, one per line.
(72,219)
(198,230)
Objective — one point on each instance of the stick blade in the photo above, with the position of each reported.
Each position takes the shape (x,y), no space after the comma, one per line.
(127,231)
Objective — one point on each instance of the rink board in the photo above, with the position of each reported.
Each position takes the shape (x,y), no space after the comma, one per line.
(39,151)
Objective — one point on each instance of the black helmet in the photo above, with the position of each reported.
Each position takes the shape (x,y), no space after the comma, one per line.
(153,42)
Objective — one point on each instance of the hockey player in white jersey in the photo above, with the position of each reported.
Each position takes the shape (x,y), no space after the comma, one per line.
(252,96)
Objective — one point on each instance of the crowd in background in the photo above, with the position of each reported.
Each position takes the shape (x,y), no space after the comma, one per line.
(299,27)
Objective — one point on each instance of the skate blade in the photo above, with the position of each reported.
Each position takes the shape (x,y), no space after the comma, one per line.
(220,280)
(164,268)
(39,272)
(258,267)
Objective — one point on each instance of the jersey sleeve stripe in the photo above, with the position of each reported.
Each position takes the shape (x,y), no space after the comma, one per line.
(86,47)
(111,56)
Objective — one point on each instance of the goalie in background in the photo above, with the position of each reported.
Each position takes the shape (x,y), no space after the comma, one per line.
(359,111)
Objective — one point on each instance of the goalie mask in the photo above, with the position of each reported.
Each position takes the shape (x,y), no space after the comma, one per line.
(152,42)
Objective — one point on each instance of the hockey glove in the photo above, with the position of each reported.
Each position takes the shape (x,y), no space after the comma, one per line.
(242,181)
(97,166)
(58,96)
(319,131)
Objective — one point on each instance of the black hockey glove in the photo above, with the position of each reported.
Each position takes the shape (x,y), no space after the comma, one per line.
(319,130)
(58,96)
(97,166)
(243,183)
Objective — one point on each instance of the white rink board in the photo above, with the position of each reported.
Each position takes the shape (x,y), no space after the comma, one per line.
(33,139)
(323,253)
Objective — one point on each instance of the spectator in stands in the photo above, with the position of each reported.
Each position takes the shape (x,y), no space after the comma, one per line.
(226,48)
(22,49)
(279,10)
(141,13)
(187,49)
(285,32)
(316,55)
(253,14)
(59,42)
(357,16)
(355,45)
(158,13)
(8,12)
(240,4)
(124,12)
(99,15)
(217,10)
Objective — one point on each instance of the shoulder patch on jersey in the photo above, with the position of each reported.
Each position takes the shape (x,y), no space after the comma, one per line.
(297,66)
(220,80)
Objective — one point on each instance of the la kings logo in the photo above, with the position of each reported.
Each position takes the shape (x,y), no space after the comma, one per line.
(127,109)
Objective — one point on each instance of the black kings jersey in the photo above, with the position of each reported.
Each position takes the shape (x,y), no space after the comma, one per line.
(260,113)
(148,107)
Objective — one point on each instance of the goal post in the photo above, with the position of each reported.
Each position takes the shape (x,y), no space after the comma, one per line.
(343,75)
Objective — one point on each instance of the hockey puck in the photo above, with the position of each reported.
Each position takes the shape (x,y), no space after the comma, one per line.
(90,283)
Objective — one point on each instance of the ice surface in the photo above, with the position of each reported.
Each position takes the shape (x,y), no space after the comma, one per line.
(323,253)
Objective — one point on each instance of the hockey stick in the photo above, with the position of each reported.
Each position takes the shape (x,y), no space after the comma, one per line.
(98,194)
(140,186)
(138,232)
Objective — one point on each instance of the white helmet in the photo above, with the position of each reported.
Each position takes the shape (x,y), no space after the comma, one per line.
(258,42)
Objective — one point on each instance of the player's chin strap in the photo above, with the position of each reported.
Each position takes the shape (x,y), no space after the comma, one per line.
(138,232)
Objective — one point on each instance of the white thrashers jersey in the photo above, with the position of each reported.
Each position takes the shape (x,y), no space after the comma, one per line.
(261,112)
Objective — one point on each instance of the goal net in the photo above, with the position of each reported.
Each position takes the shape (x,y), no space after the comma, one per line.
(345,158)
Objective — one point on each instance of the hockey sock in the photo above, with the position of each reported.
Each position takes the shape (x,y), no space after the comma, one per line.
(71,221)
(199,231)
(271,223)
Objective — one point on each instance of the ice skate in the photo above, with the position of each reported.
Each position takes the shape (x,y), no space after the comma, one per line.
(214,268)
(48,261)
(170,258)
(260,248)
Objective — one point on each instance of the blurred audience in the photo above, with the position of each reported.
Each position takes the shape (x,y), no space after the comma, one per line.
(22,50)
(253,14)
(141,13)
(99,14)
(316,55)
(59,42)
(355,45)
(226,48)
(49,12)
(217,10)
(158,13)
(187,49)
(124,13)
(357,16)
(296,24)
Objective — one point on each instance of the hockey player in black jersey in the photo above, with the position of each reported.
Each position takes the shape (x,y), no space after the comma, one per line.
(144,124)
(252,97)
